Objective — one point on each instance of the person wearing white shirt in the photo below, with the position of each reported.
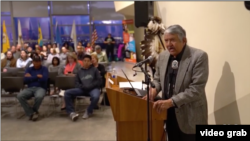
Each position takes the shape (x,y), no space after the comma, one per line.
(23,60)
(52,54)
(2,56)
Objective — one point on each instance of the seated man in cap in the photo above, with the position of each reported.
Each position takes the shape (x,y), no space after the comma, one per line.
(36,78)
(102,57)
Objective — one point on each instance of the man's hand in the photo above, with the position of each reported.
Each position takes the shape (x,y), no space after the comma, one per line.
(152,94)
(39,76)
(27,75)
(162,105)
(4,70)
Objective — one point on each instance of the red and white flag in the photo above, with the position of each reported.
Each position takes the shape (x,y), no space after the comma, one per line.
(94,36)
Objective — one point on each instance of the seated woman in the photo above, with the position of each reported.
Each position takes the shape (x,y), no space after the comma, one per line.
(54,67)
(55,64)
(8,61)
(100,67)
(52,54)
(70,69)
(23,60)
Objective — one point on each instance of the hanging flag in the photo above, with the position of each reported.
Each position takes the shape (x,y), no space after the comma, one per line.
(58,36)
(20,37)
(40,36)
(73,34)
(30,30)
(94,36)
(5,39)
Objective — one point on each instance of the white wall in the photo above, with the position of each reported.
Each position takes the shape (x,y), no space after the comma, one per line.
(222,29)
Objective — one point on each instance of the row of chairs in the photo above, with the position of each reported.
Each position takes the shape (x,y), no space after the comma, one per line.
(13,83)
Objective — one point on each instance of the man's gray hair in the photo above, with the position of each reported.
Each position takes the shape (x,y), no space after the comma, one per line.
(97,47)
(176,29)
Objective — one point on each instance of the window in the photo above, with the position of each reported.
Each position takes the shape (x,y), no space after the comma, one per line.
(30,27)
(68,20)
(5,16)
(103,30)
(65,27)
(80,30)
(7,20)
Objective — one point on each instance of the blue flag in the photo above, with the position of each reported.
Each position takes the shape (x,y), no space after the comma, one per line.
(58,36)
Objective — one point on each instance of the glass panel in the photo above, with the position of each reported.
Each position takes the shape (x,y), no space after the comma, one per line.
(68,20)
(108,22)
(83,39)
(66,30)
(5,13)
(7,20)
(9,32)
(104,30)
(69,7)
(30,27)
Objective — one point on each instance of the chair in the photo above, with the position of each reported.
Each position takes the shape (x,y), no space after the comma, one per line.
(12,85)
(53,98)
(14,71)
(52,79)
(63,83)
(20,74)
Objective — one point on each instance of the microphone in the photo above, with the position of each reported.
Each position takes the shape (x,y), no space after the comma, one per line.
(175,64)
(149,59)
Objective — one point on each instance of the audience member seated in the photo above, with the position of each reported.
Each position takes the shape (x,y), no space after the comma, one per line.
(54,67)
(49,46)
(70,69)
(100,68)
(56,48)
(25,46)
(52,54)
(102,56)
(79,43)
(63,55)
(80,53)
(2,56)
(38,51)
(44,53)
(36,78)
(88,49)
(88,82)
(29,51)
(69,48)
(13,51)
(23,60)
(17,53)
(8,61)
(30,64)
(38,47)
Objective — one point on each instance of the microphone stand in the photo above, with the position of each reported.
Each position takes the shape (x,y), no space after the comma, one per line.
(147,82)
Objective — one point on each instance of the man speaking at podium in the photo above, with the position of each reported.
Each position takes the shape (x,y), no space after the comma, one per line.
(182,81)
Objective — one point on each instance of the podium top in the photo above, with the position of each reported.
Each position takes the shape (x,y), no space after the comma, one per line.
(127,106)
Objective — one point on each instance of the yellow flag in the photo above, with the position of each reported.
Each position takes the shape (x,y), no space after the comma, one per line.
(6,42)
(40,36)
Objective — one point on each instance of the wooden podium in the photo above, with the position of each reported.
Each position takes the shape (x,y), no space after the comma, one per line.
(130,114)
